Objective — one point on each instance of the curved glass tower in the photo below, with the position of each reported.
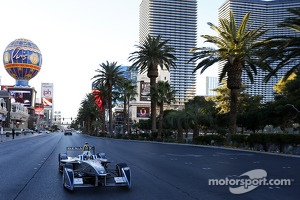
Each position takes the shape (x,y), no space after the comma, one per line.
(270,13)
(176,21)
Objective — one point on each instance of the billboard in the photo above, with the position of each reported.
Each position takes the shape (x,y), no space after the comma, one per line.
(145,91)
(143,112)
(24,96)
(39,109)
(47,94)
(5,87)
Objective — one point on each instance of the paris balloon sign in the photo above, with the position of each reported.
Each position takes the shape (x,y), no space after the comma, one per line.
(22,60)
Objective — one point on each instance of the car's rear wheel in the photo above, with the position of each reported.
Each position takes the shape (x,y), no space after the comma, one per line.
(60,157)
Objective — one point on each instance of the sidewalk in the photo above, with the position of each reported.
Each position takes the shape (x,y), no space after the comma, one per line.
(3,137)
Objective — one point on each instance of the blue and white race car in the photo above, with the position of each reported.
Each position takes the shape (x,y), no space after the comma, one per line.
(81,167)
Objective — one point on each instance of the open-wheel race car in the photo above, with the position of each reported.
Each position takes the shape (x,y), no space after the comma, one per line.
(82,167)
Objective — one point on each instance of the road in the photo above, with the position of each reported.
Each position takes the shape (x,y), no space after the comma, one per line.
(29,170)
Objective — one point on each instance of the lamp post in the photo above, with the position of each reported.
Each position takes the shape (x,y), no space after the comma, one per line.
(293,107)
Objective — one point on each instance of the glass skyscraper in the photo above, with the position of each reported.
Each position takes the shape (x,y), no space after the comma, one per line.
(211,84)
(176,21)
(270,13)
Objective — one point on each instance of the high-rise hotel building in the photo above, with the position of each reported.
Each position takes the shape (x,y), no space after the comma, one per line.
(270,13)
(176,21)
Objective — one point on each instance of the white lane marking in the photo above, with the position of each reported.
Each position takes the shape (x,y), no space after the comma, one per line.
(185,155)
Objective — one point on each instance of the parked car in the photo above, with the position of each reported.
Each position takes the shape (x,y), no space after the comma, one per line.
(26,130)
(68,132)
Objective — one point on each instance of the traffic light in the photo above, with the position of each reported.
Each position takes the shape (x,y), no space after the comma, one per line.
(71,118)
(63,119)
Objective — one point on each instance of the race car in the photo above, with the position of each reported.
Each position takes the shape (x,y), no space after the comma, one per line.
(81,167)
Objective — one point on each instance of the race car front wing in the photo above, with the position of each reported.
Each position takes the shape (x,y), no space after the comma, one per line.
(123,178)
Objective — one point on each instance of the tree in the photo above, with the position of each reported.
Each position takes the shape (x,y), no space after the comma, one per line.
(164,94)
(199,112)
(127,93)
(285,49)
(150,54)
(237,48)
(109,75)
(88,113)
(177,120)
(281,85)
(245,106)
(251,114)
(103,94)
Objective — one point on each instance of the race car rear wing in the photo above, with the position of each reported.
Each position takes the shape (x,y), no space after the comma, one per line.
(92,149)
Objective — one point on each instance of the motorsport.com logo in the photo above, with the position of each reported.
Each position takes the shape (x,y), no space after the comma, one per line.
(249,181)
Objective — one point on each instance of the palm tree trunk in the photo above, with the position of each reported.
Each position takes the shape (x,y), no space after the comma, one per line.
(153,105)
(180,134)
(128,125)
(234,83)
(161,110)
(124,115)
(102,113)
(196,131)
(233,113)
(110,120)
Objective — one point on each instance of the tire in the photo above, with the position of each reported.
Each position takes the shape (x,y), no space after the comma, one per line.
(60,157)
(60,168)
(119,166)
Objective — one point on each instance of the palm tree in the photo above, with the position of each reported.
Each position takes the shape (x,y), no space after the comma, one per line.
(127,92)
(88,112)
(109,75)
(103,93)
(286,49)
(237,48)
(180,120)
(130,93)
(164,94)
(150,54)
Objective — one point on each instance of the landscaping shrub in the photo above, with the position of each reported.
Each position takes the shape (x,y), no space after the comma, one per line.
(209,140)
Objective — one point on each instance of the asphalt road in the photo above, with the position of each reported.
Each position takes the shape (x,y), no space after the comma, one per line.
(29,170)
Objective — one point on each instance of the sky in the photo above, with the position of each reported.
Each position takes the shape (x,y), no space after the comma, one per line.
(75,36)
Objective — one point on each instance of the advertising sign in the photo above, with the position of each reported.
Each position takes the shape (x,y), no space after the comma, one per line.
(23,96)
(143,112)
(47,94)
(39,109)
(145,91)
(5,87)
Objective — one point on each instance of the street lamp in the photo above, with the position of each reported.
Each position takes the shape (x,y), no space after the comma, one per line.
(293,107)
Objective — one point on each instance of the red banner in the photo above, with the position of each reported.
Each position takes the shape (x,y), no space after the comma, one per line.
(98,100)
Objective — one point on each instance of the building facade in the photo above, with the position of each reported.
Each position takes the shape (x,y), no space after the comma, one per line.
(269,13)
(176,21)
(211,84)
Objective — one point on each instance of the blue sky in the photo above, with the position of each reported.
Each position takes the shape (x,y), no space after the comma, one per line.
(75,36)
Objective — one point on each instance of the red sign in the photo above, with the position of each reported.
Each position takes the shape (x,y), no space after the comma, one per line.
(98,100)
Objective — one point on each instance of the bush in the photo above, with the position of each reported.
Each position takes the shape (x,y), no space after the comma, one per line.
(103,134)
(143,136)
(239,140)
(209,140)
(271,139)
